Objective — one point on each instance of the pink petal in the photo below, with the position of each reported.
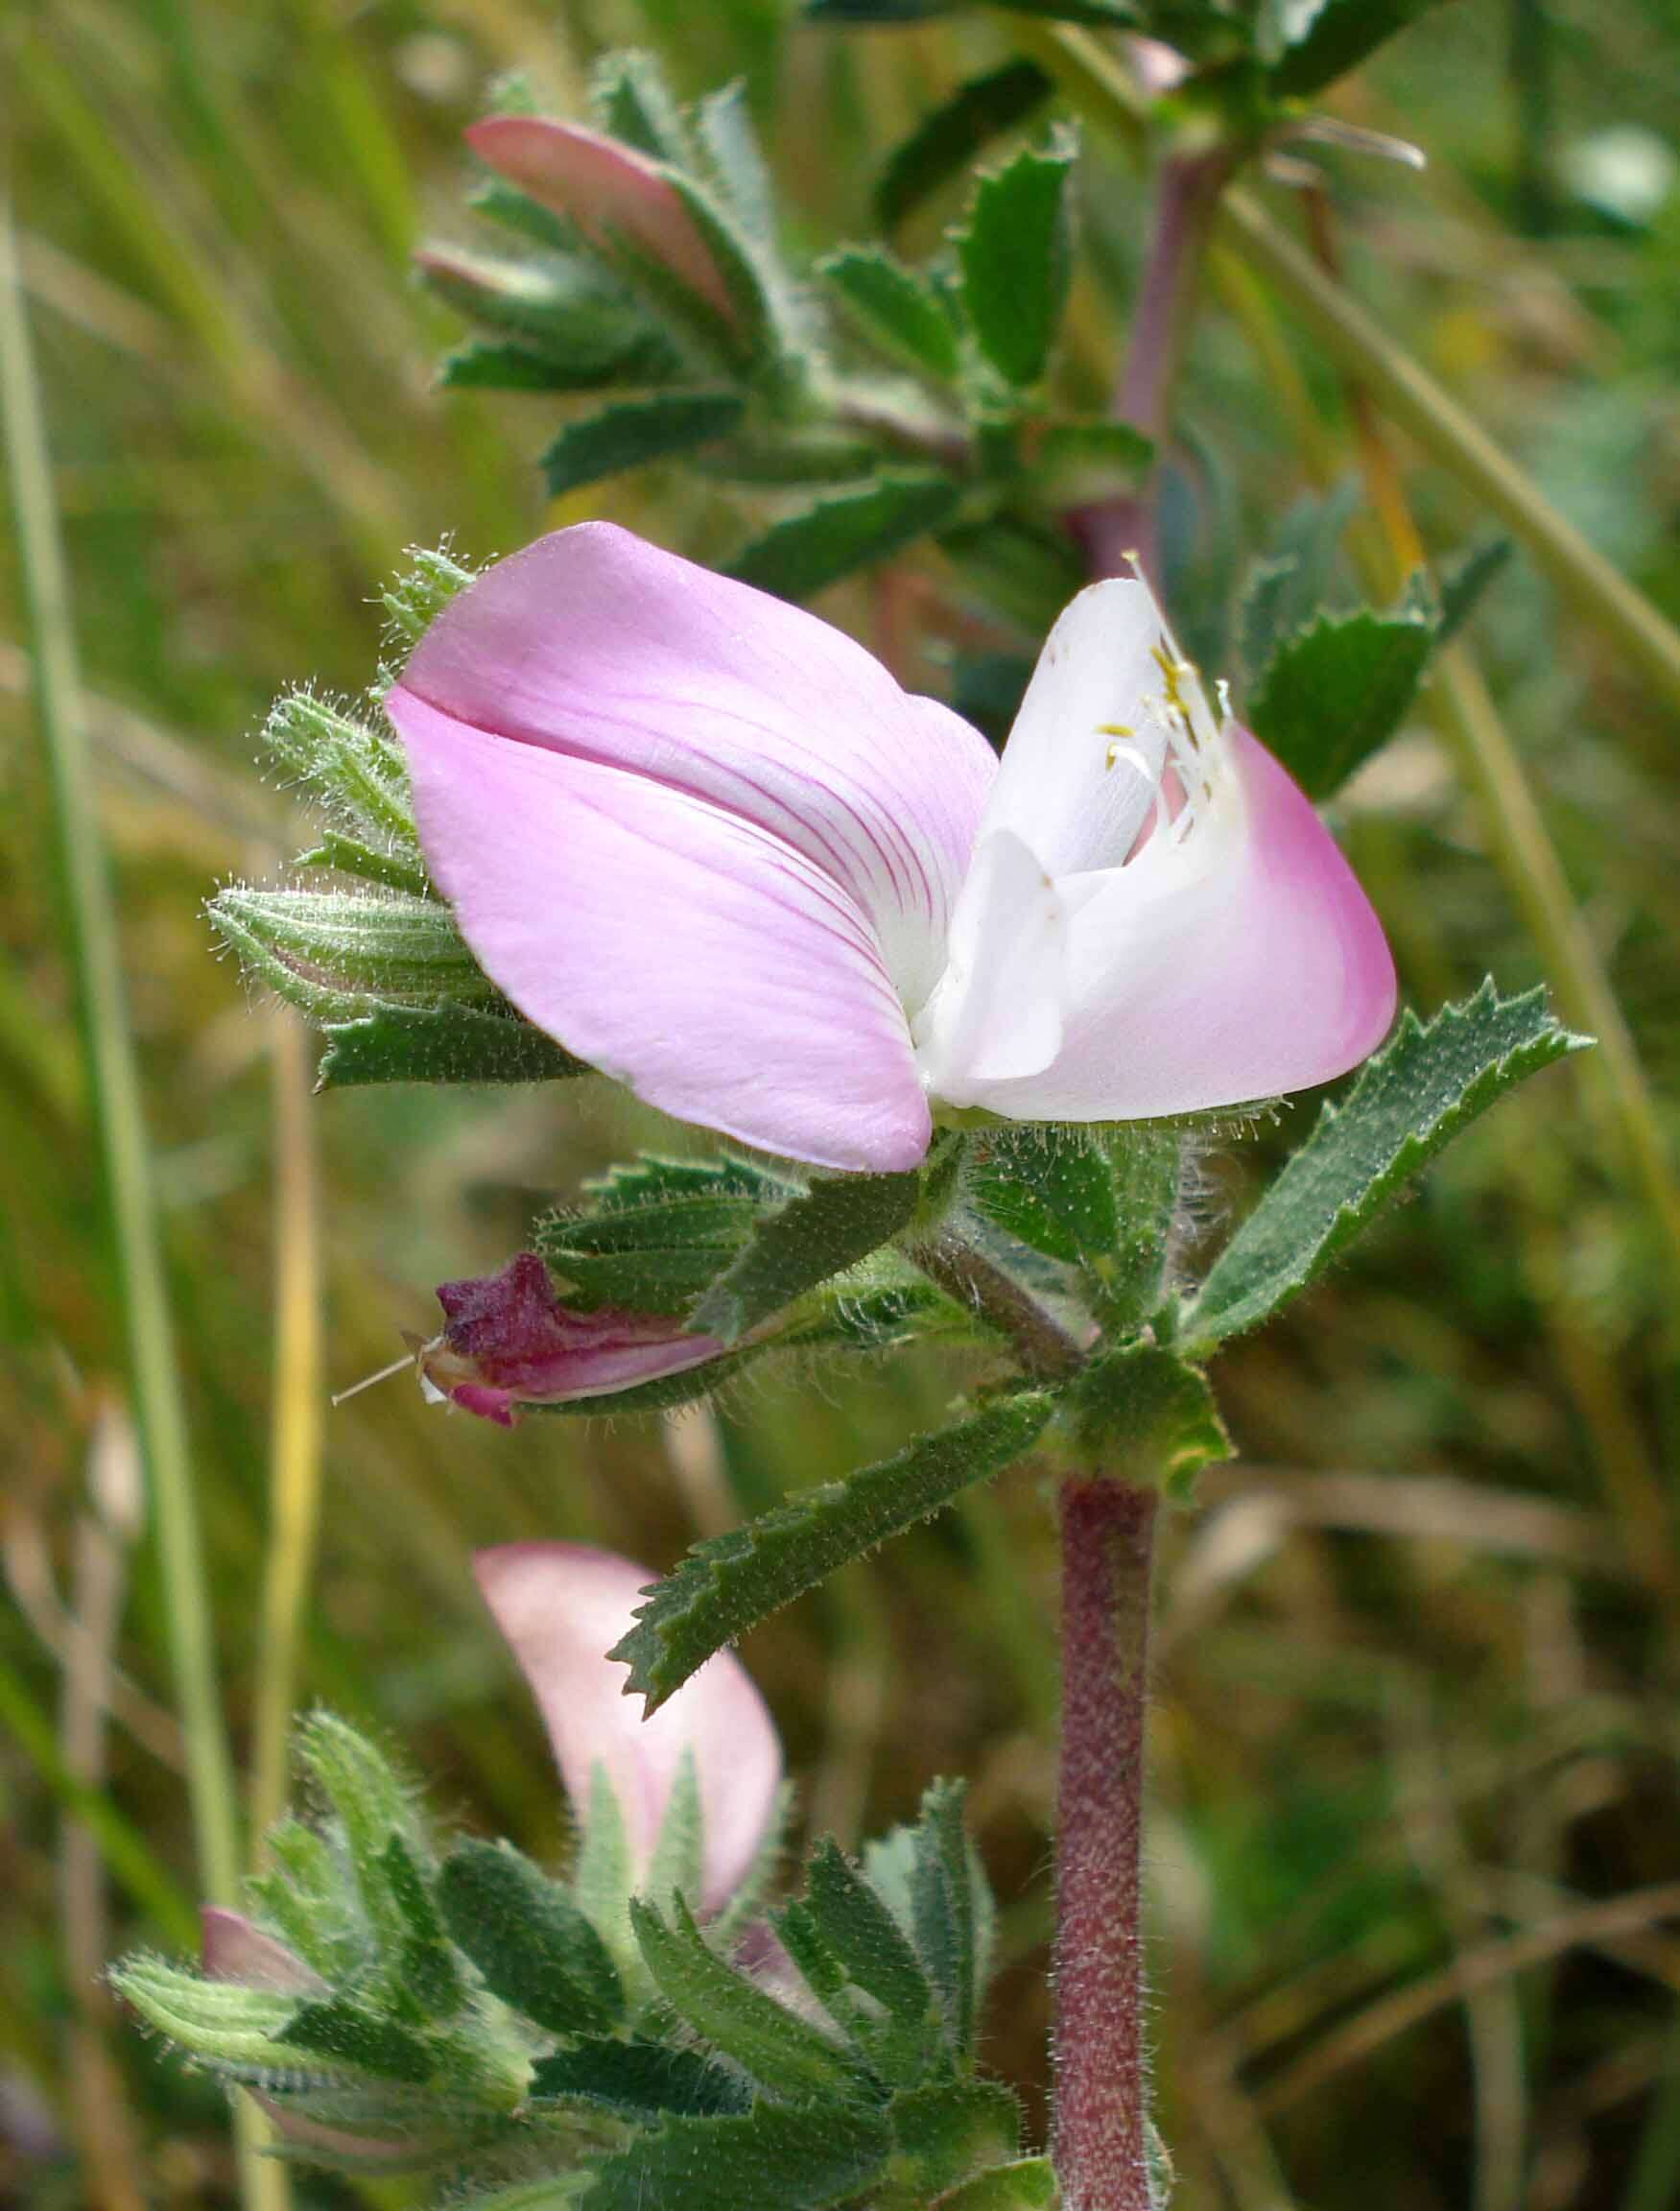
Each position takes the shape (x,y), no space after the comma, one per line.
(699,835)
(509,1341)
(1206,976)
(233,1949)
(606,190)
(561,1606)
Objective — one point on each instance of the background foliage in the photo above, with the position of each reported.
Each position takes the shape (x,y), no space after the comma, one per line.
(1415,1720)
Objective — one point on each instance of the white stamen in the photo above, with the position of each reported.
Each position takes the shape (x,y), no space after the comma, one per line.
(367,1381)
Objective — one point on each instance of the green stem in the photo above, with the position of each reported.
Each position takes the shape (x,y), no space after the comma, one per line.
(1094,82)
(115,1090)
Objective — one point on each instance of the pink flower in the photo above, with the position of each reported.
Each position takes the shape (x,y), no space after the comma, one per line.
(561,1606)
(509,1341)
(707,842)
(613,195)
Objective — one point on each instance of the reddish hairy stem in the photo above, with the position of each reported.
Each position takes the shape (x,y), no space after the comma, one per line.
(1187,194)
(1101,2138)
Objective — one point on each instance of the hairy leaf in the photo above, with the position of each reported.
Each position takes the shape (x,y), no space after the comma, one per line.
(534,1948)
(351,2035)
(632,432)
(1426,1084)
(895,307)
(1309,43)
(770,2158)
(441,1044)
(839,1220)
(1016,255)
(729,1583)
(1051,1188)
(947,140)
(637,2079)
(946,1917)
(1336,691)
(805,553)
(861,1931)
(660,1232)
(1075,462)
(947,2131)
(356,941)
(780,2051)
(1025,2184)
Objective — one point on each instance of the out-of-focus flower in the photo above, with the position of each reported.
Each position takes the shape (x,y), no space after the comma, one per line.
(561,1606)
(509,1341)
(709,844)
(613,195)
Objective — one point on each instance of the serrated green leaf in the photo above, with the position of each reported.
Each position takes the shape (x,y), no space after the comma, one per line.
(839,1220)
(500,365)
(805,553)
(1145,1408)
(946,2131)
(441,1044)
(778,2049)
(1051,1188)
(1285,588)
(1016,255)
(723,127)
(428,1968)
(1428,1083)
(947,140)
(534,1948)
(1309,43)
(633,432)
(728,1583)
(349,2034)
(944,1915)
(770,2158)
(858,1928)
(628,94)
(895,307)
(582,327)
(637,2079)
(1336,692)
(1025,2184)
(1463,580)
(1078,462)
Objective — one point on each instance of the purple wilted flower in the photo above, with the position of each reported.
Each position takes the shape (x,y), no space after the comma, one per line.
(613,195)
(561,1607)
(509,1341)
(709,844)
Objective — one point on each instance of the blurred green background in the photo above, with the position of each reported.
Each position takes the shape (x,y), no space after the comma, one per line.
(1415,1829)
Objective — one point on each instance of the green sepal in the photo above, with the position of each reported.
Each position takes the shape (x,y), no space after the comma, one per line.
(372,1806)
(656,1234)
(1050,1187)
(894,306)
(441,1044)
(859,1929)
(1462,581)
(839,1220)
(1428,1083)
(949,1919)
(428,1968)
(677,1864)
(633,432)
(1146,1162)
(637,2079)
(413,600)
(1336,691)
(805,553)
(944,143)
(534,1947)
(774,2157)
(353,768)
(571,327)
(629,95)
(224,2023)
(356,941)
(729,1583)
(781,2051)
(1016,255)
(1146,1408)
(392,867)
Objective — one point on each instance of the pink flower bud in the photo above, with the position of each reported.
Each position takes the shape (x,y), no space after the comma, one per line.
(561,1606)
(610,194)
(509,1341)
